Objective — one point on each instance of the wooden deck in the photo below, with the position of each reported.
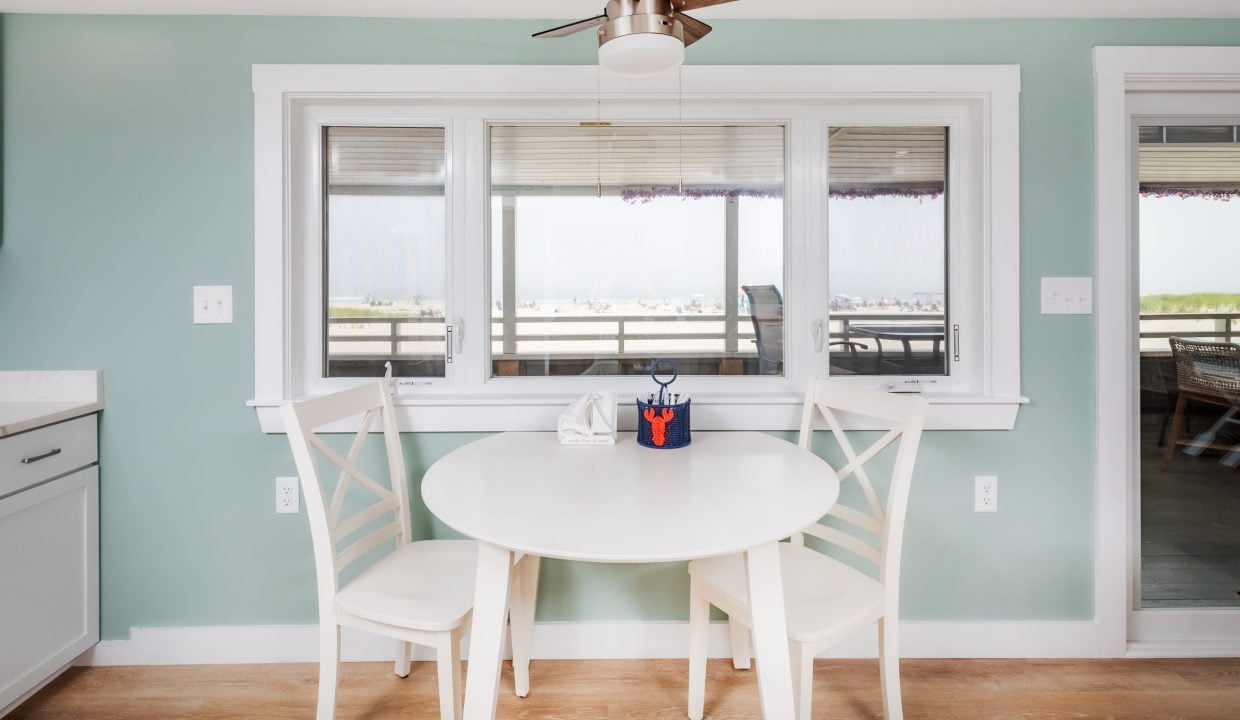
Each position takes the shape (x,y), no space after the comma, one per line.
(655,690)
(1190,525)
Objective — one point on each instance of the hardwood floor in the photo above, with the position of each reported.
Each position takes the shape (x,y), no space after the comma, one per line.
(655,690)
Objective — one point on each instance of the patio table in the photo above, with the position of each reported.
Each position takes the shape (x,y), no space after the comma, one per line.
(905,334)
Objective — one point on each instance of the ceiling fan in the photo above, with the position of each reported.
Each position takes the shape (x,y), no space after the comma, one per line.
(642,37)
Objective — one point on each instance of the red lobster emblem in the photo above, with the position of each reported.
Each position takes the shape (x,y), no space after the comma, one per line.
(658,424)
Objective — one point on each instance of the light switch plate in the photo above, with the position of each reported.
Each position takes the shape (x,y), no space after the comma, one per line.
(1067,296)
(212,304)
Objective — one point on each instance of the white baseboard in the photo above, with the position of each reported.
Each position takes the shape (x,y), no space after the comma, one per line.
(589,640)
(1188,649)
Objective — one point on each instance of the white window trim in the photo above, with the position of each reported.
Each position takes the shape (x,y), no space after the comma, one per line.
(463,98)
(1124,78)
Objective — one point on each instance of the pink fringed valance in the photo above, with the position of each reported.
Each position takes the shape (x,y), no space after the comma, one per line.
(647,194)
(1225,194)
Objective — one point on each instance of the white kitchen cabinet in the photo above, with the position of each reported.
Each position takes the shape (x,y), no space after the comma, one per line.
(49,553)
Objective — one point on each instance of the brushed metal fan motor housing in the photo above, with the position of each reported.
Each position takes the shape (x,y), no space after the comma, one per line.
(630,17)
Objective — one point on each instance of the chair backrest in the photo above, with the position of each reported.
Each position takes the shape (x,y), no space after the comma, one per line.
(340,541)
(905,414)
(1208,368)
(766,309)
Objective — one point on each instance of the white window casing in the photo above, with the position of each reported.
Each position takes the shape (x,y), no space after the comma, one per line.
(980,105)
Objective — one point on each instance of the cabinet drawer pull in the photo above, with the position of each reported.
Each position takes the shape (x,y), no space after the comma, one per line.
(37,458)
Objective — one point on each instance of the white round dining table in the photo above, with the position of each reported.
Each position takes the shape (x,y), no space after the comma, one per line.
(524,496)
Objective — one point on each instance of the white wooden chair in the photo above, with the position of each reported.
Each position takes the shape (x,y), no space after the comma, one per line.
(421,592)
(825,598)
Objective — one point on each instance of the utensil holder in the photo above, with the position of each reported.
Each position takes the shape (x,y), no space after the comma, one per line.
(663,425)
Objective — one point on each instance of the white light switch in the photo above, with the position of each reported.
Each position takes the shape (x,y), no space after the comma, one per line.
(1067,296)
(212,304)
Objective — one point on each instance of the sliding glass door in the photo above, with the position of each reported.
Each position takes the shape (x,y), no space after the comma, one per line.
(1189,360)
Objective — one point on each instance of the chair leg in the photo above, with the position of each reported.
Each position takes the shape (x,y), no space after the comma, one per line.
(1177,425)
(521,620)
(699,626)
(404,652)
(889,667)
(449,662)
(741,652)
(801,656)
(329,670)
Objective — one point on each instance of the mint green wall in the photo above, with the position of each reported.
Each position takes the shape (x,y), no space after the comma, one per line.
(128,178)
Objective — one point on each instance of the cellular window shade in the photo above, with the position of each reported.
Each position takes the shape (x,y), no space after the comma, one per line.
(574,159)
(385,160)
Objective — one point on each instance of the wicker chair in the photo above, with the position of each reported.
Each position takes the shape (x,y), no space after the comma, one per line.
(1207,372)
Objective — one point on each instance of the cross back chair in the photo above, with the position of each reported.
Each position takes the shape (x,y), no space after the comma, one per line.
(421,592)
(825,598)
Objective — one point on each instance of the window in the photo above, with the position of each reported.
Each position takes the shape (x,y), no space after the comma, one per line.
(615,245)
(385,252)
(508,238)
(887,240)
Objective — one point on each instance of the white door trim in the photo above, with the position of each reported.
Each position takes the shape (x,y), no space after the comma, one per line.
(1119,72)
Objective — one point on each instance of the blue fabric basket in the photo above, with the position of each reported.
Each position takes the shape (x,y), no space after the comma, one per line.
(663,425)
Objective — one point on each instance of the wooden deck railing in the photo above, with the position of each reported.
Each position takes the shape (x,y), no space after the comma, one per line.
(393,331)
(1218,327)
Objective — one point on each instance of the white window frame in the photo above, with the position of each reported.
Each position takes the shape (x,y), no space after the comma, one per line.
(1134,86)
(979,103)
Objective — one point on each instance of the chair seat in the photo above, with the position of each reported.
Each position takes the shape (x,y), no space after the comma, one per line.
(822,596)
(426,585)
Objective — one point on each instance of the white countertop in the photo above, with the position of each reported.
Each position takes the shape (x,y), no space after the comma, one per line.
(29,400)
(18,417)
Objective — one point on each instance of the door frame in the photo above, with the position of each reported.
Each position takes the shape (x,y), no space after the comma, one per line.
(1119,74)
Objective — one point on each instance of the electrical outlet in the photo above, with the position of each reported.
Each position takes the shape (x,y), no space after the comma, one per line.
(986,493)
(287,499)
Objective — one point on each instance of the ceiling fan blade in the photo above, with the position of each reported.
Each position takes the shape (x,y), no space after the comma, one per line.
(572,27)
(694,29)
(686,5)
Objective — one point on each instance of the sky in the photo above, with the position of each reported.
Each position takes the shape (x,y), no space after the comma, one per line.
(1189,245)
(607,248)
(393,247)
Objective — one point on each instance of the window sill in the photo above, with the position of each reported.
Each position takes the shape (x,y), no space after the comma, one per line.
(532,413)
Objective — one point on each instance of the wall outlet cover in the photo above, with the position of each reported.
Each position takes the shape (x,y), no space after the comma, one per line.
(986,493)
(288,499)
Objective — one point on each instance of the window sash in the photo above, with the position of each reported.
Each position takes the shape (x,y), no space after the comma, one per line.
(613,174)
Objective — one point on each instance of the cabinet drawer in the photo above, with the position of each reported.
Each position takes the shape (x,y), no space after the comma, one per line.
(47,452)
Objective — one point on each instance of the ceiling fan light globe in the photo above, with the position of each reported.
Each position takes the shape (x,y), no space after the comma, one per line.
(641,53)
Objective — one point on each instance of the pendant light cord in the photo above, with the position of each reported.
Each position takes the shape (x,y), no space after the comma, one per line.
(598,129)
(680,129)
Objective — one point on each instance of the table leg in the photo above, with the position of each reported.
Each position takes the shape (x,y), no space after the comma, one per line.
(486,642)
(521,614)
(770,631)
